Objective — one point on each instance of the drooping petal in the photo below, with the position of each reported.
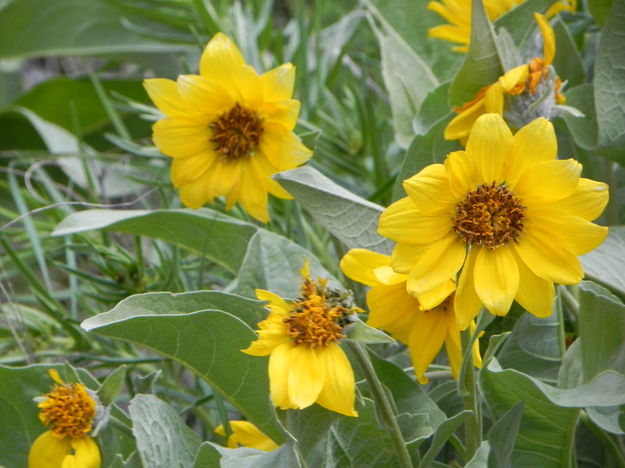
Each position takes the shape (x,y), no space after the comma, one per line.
(453,346)
(496,278)
(164,94)
(358,264)
(195,194)
(264,166)
(392,309)
(220,59)
(588,200)
(279,368)
(282,147)
(535,294)
(460,126)
(580,235)
(490,144)
(48,451)
(248,435)
(86,454)
(306,376)
(405,256)
(549,39)
(278,82)
(185,170)
(547,255)
(513,77)
(425,341)
(181,138)
(548,181)
(533,143)
(433,298)
(339,389)
(429,190)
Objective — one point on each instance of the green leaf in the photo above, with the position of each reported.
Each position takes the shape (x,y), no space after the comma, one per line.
(207,455)
(32,28)
(503,435)
(284,455)
(480,458)
(434,108)
(163,439)
(312,428)
(608,79)
(112,385)
(205,232)
(519,22)
(567,62)
(361,332)
(351,219)
(583,129)
(442,435)
(408,80)
(481,66)
(600,11)
(605,264)
(208,342)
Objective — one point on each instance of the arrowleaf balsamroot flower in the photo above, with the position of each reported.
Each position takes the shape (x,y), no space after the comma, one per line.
(248,435)
(228,129)
(422,324)
(458,15)
(70,411)
(306,364)
(505,211)
(521,87)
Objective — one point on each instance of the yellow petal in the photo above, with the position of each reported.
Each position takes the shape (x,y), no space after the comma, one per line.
(276,303)
(48,451)
(533,143)
(548,256)
(220,59)
(467,304)
(282,113)
(387,276)
(265,167)
(403,222)
(513,77)
(433,298)
(165,96)
(392,309)
(181,138)
(278,82)
(254,193)
(279,368)
(338,392)
(588,200)
(461,125)
(405,256)
(426,339)
(453,346)
(461,174)
(226,179)
(248,435)
(86,454)
(430,190)
(205,98)
(358,264)
(579,234)
(493,99)
(185,170)
(548,181)
(490,145)
(549,39)
(496,278)
(250,87)
(195,194)
(535,294)
(282,147)
(306,376)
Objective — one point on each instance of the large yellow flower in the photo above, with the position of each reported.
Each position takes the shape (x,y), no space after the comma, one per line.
(505,211)
(306,364)
(246,434)
(521,81)
(423,324)
(228,129)
(458,14)
(69,410)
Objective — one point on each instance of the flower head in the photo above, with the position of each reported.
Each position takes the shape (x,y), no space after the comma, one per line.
(301,336)
(458,14)
(248,435)
(423,324)
(523,93)
(505,211)
(228,129)
(69,411)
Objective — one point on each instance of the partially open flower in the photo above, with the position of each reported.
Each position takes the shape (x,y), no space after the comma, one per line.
(70,411)
(248,435)
(423,324)
(306,363)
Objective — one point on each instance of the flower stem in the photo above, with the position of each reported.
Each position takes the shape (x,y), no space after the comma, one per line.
(468,389)
(385,410)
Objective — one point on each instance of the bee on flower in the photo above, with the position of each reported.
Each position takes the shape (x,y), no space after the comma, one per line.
(72,412)
(228,129)
(301,338)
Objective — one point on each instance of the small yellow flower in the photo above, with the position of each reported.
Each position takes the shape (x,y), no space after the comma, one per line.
(458,14)
(69,410)
(248,435)
(306,364)
(505,211)
(521,81)
(228,129)
(422,324)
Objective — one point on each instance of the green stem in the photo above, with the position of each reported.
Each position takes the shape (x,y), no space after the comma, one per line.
(560,312)
(468,390)
(608,442)
(385,410)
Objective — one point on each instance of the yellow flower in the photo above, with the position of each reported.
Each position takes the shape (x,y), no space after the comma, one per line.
(422,324)
(69,410)
(306,364)
(228,129)
(521,81)
(246,434)
(458,14)
(505,211)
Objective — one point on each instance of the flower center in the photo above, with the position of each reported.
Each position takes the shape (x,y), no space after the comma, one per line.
(319,316)
(236,133)
(489,216)
(69,409)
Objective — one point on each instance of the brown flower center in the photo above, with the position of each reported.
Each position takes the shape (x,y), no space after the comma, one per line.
(489,216)
(319,316)
(236,133)
(69,410)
